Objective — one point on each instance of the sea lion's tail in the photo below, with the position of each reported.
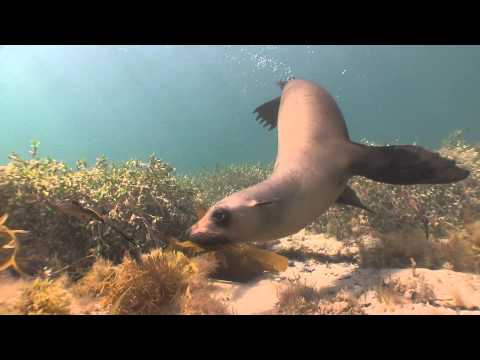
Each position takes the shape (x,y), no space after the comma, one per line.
(349,197)
(405,165)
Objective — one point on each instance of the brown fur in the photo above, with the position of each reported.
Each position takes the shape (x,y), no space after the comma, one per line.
(299,189)
(315,160)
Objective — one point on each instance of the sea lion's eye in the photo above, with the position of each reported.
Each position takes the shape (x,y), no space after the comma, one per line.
(220,216)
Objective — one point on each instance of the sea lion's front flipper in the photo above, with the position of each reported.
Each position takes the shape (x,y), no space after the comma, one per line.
(349,197)
(404,165)
(267,113)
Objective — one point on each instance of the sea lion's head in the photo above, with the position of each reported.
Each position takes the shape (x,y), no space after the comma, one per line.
(234,219)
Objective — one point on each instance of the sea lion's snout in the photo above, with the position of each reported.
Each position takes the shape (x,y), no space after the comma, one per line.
(194,234)
(205,236)
(212,228)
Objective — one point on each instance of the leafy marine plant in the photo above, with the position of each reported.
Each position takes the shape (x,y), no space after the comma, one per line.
(146,201)
(154,287)
(436,209)
(298,298)
(44,297)
(149,202)
(9,246)
(34,148)
(96,281)
(461,249)
(165,282)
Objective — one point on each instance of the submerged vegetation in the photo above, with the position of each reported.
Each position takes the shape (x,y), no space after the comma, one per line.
(8,245)
(44,297)
(436,226)
(435,209)
(224,181)
(145,200)
(165,282)
(298,298)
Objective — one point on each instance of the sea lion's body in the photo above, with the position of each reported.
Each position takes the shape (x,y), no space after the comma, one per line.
(315,160)
(308,175)
(312,140)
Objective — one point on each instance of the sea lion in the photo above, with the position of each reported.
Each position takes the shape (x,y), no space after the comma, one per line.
(315,160)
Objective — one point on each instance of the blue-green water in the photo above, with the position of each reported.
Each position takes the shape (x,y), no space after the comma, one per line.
(192,105)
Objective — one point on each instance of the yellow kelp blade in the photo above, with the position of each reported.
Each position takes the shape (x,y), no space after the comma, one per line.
(235,262)
(270,260)
(235,266)
(243,262)
(187,247)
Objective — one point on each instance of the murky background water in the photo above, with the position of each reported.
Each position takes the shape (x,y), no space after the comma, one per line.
(192,105)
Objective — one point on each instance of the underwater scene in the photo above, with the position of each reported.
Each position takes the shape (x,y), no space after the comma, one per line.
(239,180)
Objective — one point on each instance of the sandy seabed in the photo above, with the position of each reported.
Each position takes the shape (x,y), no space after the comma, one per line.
(374,291)
(342,286)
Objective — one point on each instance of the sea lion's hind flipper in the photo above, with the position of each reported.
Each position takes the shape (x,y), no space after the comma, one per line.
(404,165)
(349,197)
(267,113)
